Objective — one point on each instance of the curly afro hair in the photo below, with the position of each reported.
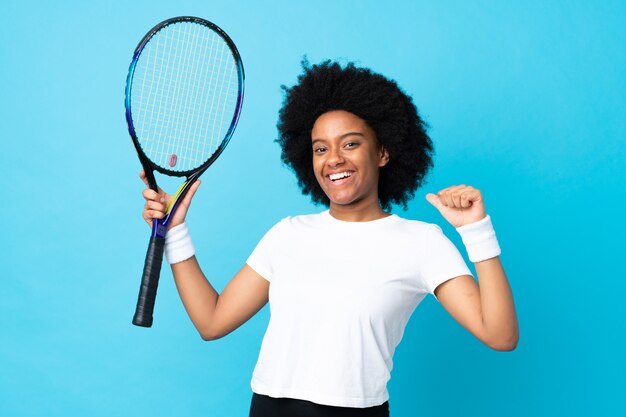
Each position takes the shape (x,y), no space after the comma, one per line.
(380,102)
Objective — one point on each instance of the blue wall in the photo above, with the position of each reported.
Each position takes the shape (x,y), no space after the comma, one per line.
(526,101)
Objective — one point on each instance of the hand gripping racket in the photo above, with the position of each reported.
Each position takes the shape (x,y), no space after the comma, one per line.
(184,93)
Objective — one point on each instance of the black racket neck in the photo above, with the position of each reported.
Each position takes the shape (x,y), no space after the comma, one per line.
(151,179)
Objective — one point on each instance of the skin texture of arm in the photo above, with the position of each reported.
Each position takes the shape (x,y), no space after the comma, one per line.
(215,315)
(486,310)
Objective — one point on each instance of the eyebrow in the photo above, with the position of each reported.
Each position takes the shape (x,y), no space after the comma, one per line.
(345,135)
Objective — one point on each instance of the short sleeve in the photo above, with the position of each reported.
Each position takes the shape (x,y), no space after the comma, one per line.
(442,260)
(261,259)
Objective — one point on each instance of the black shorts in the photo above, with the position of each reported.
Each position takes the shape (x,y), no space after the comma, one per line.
(264,406)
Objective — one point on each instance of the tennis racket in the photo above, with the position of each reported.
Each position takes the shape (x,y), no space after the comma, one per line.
(184,93)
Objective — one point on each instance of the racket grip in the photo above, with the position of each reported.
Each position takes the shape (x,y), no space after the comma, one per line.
(149,283)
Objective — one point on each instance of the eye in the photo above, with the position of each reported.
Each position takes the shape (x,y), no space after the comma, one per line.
(351,145)
(319,149)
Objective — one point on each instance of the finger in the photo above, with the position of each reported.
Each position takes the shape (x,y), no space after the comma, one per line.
(458,195)
(434,200)
(154,205)
(451,196)
(474,195)
(144,178)
(152,214)
(456,199)
(467,197)
(142,175)
(466,202)
(192,191)
(446,197)
(150,194)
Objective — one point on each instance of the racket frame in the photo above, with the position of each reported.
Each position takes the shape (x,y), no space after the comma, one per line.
(159,226)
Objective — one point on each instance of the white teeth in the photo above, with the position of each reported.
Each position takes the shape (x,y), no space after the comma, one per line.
(339,175)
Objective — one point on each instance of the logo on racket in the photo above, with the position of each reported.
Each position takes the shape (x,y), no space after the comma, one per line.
(173,159)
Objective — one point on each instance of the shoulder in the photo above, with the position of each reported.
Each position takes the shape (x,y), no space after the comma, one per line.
(426,237)
(303,221)
(416,227)
(291,223)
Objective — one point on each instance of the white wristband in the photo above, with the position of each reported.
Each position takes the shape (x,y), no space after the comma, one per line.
(480,240)
(178,244)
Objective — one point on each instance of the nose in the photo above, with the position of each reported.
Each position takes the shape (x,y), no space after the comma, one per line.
(334,157)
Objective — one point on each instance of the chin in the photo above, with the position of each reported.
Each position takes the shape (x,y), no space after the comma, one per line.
(339,198)
(346,201)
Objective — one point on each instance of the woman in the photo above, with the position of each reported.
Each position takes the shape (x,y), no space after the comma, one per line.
(343,283)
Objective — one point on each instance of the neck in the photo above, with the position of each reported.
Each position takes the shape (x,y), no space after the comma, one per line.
(358,212)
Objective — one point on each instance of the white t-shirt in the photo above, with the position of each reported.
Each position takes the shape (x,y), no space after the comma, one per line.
(340,296)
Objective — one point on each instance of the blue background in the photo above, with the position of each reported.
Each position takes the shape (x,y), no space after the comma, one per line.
(526,101)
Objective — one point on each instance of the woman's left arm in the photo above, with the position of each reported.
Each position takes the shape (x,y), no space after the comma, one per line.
(486,308)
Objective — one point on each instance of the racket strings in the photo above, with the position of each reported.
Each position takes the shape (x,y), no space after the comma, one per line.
(180,130)
(185,91)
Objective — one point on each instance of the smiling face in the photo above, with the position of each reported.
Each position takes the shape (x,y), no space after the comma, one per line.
(346,160)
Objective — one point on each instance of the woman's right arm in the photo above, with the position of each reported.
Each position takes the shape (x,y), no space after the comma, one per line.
(214,315)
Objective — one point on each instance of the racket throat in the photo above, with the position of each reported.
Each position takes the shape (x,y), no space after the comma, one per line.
(175,201)
(150,177)
(159,229)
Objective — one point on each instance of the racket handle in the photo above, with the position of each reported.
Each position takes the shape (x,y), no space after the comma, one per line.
(149,283)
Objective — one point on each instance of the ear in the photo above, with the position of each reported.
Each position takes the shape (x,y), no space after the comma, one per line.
(384,157)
